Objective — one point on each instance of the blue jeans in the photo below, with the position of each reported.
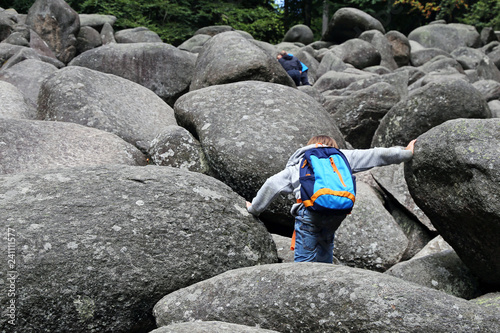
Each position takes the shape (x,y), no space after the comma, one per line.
(314,235)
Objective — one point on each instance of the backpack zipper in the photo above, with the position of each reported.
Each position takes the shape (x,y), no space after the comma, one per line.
(336,170)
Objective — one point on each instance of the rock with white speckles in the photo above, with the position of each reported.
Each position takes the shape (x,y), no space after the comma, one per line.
(248,130)
(454,177)
(391,179)
(96,248)
(427,107)
(57,24)
(313,297)
(33,145)
(490,301)
(28,76)
(209,327)
(104,101)
(369,237)
(176,147)
(14,104)
(230,57)
(442,271)
(160,67)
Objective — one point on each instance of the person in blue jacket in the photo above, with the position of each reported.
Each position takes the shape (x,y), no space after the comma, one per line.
(292,66)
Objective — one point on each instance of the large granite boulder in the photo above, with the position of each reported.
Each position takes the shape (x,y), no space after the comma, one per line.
(241,125)
(137,35)
(96,21)
(429,106)
(313,297)
(334,80)
(330,62)
(442,271)
(28,76)
(359,53)
(299,33)
(447,37)
(57,24)
(401,48)
(358,114)
(31,145)
(160,67)
(98,247)
(195,43)
(454,178)
(88,38)
(490,301)
(383,46)
(391,180)
(8,20)
(248,130)
(347,23)
(208,327)
(176,147)
(104,101)
(369,238)
(14,104)
(229,57)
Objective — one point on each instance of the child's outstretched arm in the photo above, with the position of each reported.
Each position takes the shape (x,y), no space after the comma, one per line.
(279,183)
(364,159)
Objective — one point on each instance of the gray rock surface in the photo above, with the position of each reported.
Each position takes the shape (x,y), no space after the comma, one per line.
(369,237)
(14,104)
(359,53)
(312,297)
(31,145)
(209,327)
(28,76)
(229,57)
(57,24)
(427,107)
(300,33)
(98,247)
(358,114)
(160,67)
(238,125)
(441,271)
(88,38)
(347,23)
(176,147)
(383,46)
(490,301)
(137,35)
(453,177)
(96,21)
(392,180)
(401,48)
(447,37)
(106,102)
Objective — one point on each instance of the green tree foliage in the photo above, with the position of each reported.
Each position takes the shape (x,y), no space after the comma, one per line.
(484,13)
(177,20)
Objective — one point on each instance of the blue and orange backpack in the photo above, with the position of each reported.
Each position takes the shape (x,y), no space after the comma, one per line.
(327,183)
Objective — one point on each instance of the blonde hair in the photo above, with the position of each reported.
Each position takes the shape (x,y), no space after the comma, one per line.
(323,139)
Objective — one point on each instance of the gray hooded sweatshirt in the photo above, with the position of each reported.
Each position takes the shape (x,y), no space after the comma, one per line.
(287,181)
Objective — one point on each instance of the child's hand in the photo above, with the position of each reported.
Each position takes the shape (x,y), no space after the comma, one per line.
(248,204)
(411,146)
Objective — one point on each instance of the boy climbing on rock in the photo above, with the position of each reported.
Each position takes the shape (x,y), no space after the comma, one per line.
(315,229)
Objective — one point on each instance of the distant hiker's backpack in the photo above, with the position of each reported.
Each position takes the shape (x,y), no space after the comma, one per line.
(326,181)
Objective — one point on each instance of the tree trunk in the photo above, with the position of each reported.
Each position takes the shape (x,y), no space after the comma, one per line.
(307,12)
(326,8)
